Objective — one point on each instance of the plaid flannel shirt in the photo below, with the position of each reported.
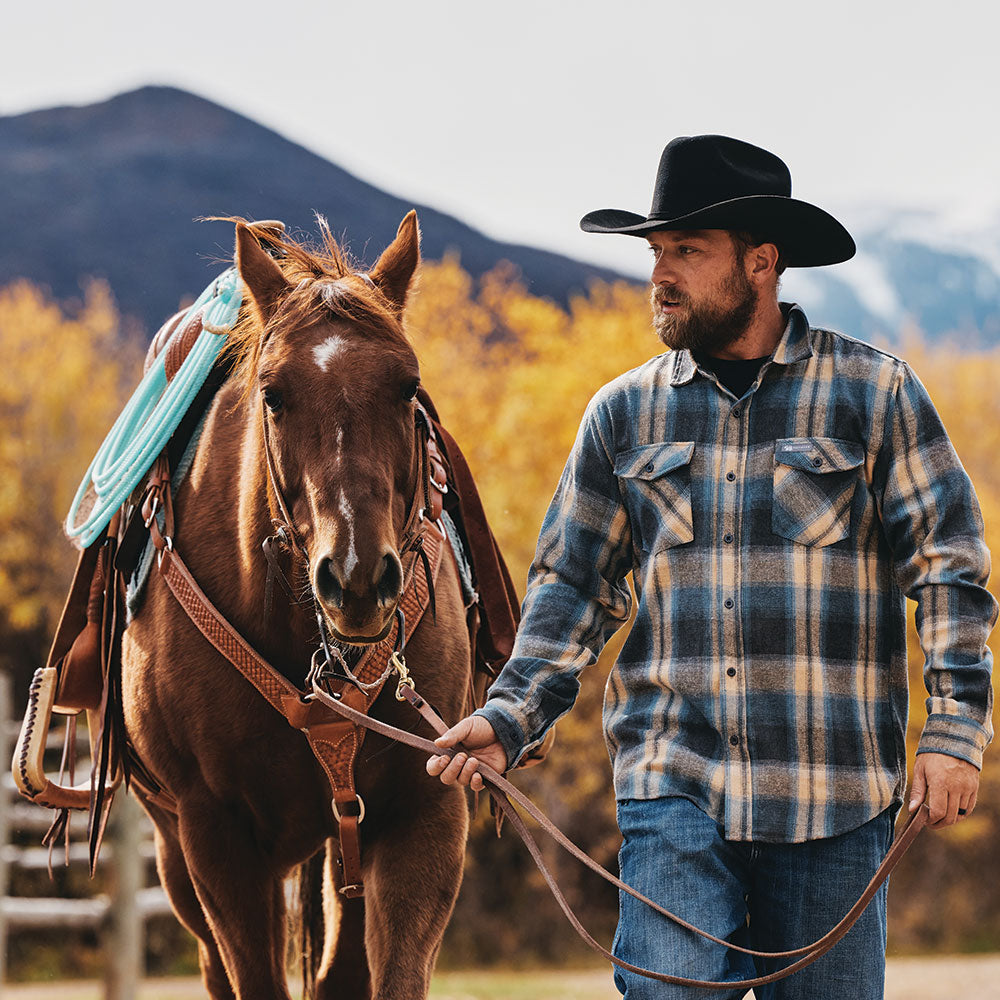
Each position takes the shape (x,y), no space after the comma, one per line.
(772,540)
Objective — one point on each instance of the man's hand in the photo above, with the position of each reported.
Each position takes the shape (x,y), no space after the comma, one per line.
(476,735)
(949,785)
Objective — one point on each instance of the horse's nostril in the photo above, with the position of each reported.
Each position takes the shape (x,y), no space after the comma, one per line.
(390,581)
(328,585)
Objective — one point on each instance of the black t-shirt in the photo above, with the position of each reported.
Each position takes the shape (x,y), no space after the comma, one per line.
(736,375)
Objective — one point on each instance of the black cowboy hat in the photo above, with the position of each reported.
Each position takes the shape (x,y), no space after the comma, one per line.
(714,182)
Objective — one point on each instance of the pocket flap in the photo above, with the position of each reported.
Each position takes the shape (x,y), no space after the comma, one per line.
(652,460)
(819,454)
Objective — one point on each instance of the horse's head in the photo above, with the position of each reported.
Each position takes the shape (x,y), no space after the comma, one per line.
(334,378)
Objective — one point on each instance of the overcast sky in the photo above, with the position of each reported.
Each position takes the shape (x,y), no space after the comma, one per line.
(521,116)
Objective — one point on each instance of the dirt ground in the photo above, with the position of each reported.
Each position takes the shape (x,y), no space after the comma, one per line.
(961,977)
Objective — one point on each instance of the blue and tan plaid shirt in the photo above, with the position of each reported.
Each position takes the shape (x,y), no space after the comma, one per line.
(772,540)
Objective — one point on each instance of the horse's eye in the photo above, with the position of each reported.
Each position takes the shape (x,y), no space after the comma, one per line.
(273,400)
(410,389)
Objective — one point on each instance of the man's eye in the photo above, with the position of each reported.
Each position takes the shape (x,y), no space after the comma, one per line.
(686,250)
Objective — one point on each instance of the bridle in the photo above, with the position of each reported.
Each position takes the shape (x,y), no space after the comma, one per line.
(331,659)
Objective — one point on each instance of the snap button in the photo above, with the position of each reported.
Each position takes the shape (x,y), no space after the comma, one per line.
(730,476)
(734,740)
(648,467)
(731,671)
(727,538)
(736,411)
(817,462)
(728,602)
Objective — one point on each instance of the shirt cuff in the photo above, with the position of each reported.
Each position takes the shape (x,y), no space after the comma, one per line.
(512,737)
(955,736)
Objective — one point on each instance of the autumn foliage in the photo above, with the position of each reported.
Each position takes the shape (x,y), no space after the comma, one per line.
(64,380)
(511,375)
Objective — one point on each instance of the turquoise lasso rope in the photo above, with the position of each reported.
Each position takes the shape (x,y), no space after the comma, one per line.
(155,409)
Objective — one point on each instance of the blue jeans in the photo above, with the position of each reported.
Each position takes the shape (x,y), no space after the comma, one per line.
(770,897)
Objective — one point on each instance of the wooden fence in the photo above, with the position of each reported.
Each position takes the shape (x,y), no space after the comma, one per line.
(118,915)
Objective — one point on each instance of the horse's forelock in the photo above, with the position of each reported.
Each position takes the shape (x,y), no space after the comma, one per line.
(325,282)
(355,299)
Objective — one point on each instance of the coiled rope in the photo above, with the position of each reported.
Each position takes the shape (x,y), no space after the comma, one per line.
(152,414)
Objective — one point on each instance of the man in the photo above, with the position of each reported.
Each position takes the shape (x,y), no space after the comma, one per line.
(776,491)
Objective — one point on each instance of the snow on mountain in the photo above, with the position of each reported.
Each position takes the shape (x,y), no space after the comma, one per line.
(937,271)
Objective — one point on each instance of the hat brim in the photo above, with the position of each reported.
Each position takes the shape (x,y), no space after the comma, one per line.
(806,235)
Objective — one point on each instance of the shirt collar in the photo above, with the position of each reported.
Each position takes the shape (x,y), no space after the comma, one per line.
(793,346)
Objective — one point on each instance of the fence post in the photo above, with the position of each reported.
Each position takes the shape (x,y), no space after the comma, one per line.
(5,710)
(125,931)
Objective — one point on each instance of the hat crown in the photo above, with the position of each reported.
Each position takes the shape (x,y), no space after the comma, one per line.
(702,170)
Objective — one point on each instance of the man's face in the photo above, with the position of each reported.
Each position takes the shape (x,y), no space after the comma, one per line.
(702,298)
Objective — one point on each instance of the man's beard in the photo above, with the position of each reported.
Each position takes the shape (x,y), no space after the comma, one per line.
(706,326)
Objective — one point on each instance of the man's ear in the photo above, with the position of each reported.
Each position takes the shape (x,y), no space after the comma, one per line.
(764,258)
(261,275)
(393,273)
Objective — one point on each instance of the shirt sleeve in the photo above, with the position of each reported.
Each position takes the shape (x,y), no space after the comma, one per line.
(576,599)
(933,524)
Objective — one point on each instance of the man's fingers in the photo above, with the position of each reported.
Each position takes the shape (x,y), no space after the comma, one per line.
(472,735)
(951,785)
(454,768)
(951,814)
(435,765)
(461,769)
(456,734)
(919,789)
(966,805)
(937,803)
(471,766)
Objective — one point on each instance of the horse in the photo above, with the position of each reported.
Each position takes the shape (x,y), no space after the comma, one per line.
(323,386)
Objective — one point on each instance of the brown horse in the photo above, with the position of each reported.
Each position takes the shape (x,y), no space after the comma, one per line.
(324,362)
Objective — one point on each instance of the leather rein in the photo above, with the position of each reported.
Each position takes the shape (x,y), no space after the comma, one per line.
(503,792)
(344,704)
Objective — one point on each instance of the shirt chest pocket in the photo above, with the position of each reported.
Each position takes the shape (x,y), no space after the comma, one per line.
(814,484)
(656,487)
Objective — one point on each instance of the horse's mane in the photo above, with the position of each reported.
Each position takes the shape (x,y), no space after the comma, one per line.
(326,282)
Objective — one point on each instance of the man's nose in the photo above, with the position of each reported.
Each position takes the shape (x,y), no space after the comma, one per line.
(663,271)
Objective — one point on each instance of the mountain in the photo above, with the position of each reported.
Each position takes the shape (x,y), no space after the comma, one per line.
(914,268)
(111,190)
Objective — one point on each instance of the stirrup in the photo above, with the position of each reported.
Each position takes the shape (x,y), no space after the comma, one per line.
(28,765)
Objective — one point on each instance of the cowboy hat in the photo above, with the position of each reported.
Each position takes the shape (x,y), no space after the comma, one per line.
(714,182)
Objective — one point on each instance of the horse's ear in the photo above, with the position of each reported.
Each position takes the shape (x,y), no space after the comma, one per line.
(262,276)
(395,268)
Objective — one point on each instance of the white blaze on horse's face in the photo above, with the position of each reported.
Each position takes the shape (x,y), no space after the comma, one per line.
(337,378)
(351,559)
(325,353)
